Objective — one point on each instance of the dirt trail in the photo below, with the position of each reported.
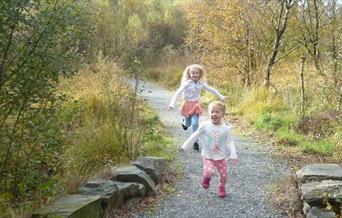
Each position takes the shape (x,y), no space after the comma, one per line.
(249,183)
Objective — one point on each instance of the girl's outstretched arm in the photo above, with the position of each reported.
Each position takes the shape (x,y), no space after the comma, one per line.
(191,140)
(214,91)
(175,96)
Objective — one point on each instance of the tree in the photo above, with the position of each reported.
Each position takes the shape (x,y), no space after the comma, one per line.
(39,41)
(224,36)
(312,12)
(280,21)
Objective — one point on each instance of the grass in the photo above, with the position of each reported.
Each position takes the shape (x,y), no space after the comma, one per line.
(286,134)
(155,142)
(169,76)
(288,137)
(269,121)
(105,125)
(324,147)
(169,68)
(268,112)
(256,102)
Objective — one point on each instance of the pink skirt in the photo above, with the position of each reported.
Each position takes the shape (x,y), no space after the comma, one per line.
(189,108)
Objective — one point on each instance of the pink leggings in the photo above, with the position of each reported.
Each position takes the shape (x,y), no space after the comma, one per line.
(220,165)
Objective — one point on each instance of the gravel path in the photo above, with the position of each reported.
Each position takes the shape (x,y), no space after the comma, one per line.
(249,183)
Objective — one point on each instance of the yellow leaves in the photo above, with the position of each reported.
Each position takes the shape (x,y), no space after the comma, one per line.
(227,34)
(216,26)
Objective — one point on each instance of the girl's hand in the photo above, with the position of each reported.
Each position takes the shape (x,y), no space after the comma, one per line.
(224,98)
(169,108)
(235,161)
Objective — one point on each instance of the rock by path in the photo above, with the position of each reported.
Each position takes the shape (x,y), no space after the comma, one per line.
(249,184)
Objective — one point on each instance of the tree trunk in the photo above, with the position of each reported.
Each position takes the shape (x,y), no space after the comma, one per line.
(302,91)
(316,52)
(339,100)
(279,31)
(248,61)
(334,46)
(311,19)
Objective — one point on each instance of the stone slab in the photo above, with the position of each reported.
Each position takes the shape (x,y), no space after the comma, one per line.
(72,206)
(319,172)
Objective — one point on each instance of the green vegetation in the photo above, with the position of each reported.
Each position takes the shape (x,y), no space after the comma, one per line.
(46,134)
(154,141)
(39,40)
(315,134)
(105,124)
(267,112)
(65,113)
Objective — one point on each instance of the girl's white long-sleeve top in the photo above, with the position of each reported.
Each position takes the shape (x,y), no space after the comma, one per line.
(217,143)
(192,91)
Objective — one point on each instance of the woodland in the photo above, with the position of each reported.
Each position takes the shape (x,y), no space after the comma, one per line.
(66,111)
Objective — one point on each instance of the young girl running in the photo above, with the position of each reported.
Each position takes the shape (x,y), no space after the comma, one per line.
(218,140)
(192,85)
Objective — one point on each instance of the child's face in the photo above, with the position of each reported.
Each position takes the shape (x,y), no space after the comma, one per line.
(194,75)
(216,115)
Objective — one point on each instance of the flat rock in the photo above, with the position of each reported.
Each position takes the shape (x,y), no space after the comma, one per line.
(72,206)
(319,172)
(316,212)
(113,193)
(318,191)
(134,174)
(153,166)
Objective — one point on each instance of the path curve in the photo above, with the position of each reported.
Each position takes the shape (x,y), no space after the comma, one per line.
(249,183)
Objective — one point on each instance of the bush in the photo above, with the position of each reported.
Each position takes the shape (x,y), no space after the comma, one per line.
(40,41)
(106,124)
(319,125)
(269,122)
(99,112)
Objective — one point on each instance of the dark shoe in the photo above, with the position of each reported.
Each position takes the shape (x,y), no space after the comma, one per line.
(196,146)
(205,182)
(184,127)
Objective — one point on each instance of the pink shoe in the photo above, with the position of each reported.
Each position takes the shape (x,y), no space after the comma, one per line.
(222,192)
(205,182)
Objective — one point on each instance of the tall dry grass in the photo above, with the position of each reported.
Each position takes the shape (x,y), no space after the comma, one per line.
(104,123)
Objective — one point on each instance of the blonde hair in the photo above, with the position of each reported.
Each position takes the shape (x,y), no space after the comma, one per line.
(220,105)
(186,73)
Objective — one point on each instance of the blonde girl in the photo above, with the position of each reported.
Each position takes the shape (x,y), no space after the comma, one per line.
(191,87)
(218,142)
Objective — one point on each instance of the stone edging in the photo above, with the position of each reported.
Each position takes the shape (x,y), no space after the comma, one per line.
(98,195)
(321,190)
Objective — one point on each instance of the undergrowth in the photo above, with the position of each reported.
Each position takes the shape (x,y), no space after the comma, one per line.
(106,124)
(102,123)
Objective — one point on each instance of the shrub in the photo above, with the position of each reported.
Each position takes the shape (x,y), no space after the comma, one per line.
(318,125)
(106,124)
(269,122)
